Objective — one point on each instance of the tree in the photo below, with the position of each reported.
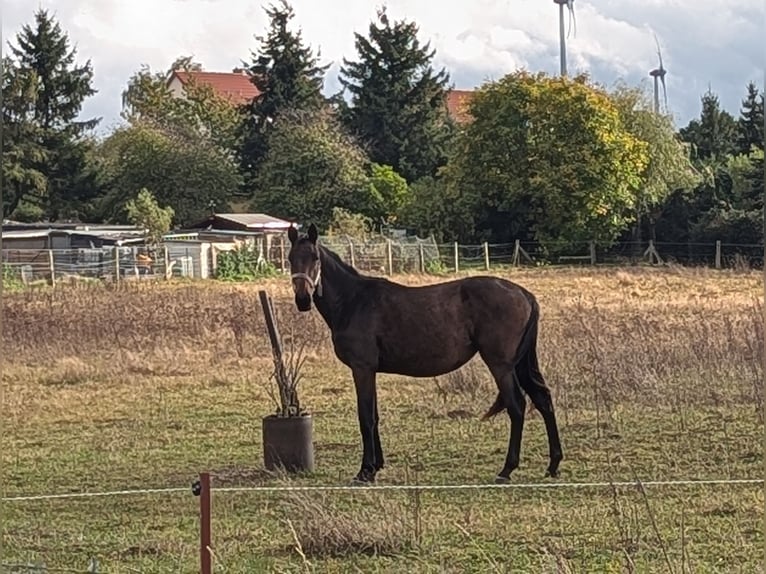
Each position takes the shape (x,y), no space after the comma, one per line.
(389,190)
(436,206)
(202,111)
(23,157)
(750,123)
(49,89)
(553,151)
(288,77)
(714,135)
(397,103)
(311,167)
(145,212)
(187,173)
(669,166)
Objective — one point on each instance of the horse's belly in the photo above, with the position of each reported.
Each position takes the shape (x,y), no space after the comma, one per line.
(424,360)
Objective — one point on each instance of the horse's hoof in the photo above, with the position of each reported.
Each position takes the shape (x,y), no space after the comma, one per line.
(551,473)
(502,479)
(363,480)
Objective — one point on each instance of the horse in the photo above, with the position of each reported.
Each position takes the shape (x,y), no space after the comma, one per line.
(380,326)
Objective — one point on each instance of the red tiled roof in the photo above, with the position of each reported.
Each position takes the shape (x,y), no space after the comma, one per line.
(235,86)
(457,104)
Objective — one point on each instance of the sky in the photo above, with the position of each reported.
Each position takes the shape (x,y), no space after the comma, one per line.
(715,44)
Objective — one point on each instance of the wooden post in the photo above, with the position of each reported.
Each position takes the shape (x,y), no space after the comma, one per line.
(116,262)
(52,266)
(486,256)
(282,253)
(390,257)
(166,261)
(516,247)
(351,252)
(276,346)
(202,489)
(718,254)
(592,252)
(421,258)
(457,257)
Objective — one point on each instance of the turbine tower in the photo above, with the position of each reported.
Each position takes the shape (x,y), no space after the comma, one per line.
(562,39)
(659,74)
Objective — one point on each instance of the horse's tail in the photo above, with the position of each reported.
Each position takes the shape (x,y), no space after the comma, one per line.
(526,353)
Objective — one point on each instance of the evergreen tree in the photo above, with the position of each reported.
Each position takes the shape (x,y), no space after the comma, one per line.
(288,77)
(714,135)
(44,62)
(397,99)
(750,124)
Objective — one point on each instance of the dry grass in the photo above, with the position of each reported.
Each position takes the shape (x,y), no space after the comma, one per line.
(656,373)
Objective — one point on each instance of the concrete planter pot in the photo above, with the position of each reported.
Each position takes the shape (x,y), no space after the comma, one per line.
(288,443)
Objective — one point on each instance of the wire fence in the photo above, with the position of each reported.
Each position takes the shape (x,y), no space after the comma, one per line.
(205,521)
(375,256)
(396,488)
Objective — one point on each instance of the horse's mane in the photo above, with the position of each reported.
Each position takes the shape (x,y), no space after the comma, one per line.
(339,262)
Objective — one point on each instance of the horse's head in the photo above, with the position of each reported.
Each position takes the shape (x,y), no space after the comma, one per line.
(305,268)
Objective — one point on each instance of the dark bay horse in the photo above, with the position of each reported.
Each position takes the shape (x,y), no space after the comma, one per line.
(379,326)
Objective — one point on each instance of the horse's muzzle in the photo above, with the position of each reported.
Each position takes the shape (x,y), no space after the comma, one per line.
(303,302)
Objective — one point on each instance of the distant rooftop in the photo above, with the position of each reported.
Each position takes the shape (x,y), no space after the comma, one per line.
(234,86)
(253,221)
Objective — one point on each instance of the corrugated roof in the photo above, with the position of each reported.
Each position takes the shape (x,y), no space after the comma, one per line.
(255,220)
(235,86)
(25,234)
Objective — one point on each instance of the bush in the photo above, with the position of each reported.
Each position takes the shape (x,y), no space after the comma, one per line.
(244,263)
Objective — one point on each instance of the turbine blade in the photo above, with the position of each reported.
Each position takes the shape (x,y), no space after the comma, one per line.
(572,18)
(664,92)
(659,51)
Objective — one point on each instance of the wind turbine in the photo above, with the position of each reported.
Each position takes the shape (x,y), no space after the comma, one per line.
(562,39)
(659,74)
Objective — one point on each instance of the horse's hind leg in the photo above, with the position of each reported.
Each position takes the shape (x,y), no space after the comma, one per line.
(512,399)
(531,380)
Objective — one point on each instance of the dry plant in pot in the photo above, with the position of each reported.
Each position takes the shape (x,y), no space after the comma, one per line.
(288,441)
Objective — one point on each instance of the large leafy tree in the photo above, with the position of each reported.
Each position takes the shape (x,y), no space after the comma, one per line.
(288,77)
(44,90)
(311,167)
(669,167)
(397,102)
(202,110)
(549,156)
(183,171)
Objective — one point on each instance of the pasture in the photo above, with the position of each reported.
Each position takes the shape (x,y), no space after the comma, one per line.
(655,373)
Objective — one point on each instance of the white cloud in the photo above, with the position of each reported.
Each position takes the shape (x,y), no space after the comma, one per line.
(716,42)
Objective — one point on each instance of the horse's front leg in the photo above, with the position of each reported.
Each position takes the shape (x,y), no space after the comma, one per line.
(366,405)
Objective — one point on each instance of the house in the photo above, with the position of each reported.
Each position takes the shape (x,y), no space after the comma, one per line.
(235,86)
(196,246)
(457,105)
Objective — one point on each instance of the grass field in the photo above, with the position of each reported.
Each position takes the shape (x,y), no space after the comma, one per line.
(656,374)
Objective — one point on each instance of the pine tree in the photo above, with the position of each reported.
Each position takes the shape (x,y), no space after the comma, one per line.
(750,123)
(397,99)
(714,135)
(43,56)
(288,77)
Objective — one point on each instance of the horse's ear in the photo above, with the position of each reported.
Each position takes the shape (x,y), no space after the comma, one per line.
(292,234)
(313,234)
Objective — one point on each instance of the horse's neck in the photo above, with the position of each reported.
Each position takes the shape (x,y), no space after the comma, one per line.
(336,283)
